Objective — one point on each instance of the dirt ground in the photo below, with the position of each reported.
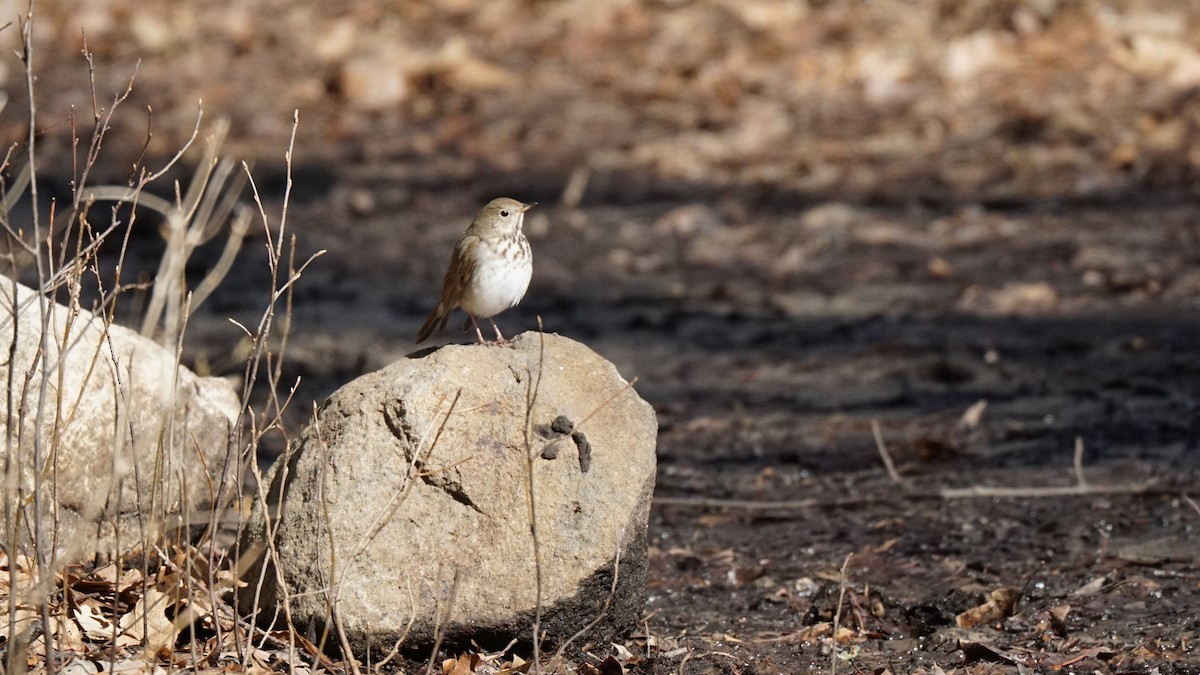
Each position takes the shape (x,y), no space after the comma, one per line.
(969,225)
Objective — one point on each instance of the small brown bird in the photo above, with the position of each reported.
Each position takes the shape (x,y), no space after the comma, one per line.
(489,270)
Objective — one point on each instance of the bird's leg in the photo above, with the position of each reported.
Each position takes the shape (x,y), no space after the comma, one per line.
(499,337)
(477,331)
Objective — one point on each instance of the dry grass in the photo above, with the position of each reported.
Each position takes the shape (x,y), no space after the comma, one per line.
(166,599)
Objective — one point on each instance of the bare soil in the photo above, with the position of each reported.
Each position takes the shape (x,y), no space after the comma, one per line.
(972,224)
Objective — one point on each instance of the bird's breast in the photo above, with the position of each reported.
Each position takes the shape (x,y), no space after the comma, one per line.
(501,277)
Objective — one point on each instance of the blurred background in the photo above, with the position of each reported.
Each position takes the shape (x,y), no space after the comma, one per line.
(992,100)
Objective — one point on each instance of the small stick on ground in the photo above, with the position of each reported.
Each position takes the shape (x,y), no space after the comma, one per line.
(837,616)
(1079,479)
(1051,491)
(738,504)
(1190,502)
(1081,486)
(884,454)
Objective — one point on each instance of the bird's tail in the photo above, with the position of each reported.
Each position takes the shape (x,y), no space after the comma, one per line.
(435,322)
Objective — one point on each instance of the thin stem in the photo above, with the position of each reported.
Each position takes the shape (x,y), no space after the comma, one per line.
(531,394)
(837,617)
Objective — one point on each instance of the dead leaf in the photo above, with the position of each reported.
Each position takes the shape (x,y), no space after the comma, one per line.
(981,651)
(1052,620)
(1015,298)
(1000,605)
(21,620)
(611,666)
(939,268)
(156,631)
(517,667)
(1090,588)
(887,545)
(1060,661)
(973,416)
(67,635)
(724,637)
(1060,612)
(463,665)
(737,576)
(846,635)
(95,625)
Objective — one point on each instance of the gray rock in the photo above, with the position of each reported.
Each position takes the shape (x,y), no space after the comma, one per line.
(119,419)
(406,501)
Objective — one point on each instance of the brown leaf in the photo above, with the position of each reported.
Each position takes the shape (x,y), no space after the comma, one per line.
(973,416)
(67,636)
(156,631)
(463,665)
(1060,612)
(611,666)
(17,622)
(1044,622)
(1000,604)
(517,667)
(887,545)
(938,268)
(981,651)
(1091,588)
(621,652)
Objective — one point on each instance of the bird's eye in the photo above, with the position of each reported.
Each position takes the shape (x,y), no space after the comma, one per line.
(504,214)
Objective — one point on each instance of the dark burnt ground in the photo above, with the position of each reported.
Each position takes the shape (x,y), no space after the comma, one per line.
(770,337)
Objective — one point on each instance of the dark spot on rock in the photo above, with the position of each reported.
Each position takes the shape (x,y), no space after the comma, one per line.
(585,451)
(562,426)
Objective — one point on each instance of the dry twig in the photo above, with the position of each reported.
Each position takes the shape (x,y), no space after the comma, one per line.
(837,617)
(884,454)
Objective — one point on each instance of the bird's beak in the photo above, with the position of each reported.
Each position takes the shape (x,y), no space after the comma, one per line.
(526,207)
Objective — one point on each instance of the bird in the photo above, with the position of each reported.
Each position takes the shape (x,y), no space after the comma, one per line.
(489,270)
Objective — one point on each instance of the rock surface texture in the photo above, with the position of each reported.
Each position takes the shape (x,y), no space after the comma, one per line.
(118,417)
(406,505)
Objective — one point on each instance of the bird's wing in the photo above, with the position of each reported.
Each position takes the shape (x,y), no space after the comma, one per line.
(458,275)
(460,272)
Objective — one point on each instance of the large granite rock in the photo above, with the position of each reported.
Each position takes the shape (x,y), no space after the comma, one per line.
(119,431)
(405,506)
